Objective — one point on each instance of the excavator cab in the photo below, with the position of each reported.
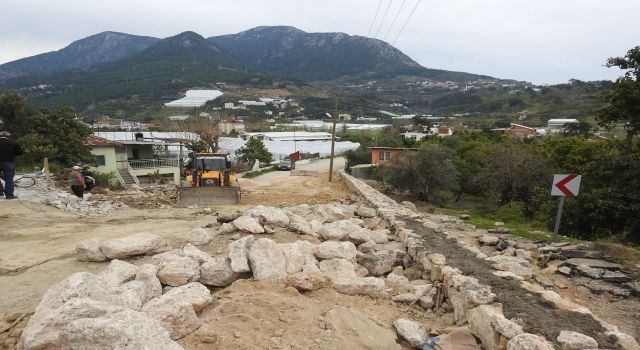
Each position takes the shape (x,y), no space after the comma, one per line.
(211,180)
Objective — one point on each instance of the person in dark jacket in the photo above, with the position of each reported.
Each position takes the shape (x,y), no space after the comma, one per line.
(77,181)
(9,149)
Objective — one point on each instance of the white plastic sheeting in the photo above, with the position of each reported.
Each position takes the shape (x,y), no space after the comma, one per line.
(282,149)
(195,98)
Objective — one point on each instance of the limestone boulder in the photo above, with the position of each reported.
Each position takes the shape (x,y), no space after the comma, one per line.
(179,271)
(569,340)
(138,244)
(267,261)
(178,318)
(269,215)
(332,212)
(227,228)
(489,240)
(527,341)
(299,224)
(160,260)
(354,330)
(333,249)
(195,254)
(489,324)
(365,212)
(238,254)
(118,272)
(121,330)
(379,262)
(89,250)
(44,327)
(370,286)
(297,254)
(199,236)
(151,286)
(194,293)
(248,224)
(218,272)
(368,247)
(380,236)
(337,269)
(307,281)
(411,331)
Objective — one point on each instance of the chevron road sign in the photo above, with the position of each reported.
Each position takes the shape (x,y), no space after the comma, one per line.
(567,185)
(564,185)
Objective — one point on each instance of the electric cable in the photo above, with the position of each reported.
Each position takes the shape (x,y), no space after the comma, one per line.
(383,17)
(407,21)
(394,20)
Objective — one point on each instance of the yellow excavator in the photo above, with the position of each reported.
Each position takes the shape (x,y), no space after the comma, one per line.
(210,180)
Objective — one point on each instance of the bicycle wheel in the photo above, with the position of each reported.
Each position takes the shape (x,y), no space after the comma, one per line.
(24,182)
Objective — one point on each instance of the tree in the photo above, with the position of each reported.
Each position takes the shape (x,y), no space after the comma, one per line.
(252,150)
(576,129)
(623,102)
(421,174)
(56,135)
(207,130)
(514,172)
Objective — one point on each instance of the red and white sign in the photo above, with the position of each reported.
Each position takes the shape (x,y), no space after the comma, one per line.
(567,185)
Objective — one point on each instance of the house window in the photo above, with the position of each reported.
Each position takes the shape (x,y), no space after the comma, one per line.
(384,155)
(100,160)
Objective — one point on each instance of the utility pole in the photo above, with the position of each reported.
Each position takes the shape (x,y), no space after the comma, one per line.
(333,139)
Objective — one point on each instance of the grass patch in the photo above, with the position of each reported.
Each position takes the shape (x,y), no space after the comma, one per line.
(256,173)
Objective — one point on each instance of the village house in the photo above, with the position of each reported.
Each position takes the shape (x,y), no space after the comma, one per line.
(518,132)
(383,155)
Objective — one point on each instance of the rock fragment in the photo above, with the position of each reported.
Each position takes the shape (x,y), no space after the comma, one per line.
(411,331)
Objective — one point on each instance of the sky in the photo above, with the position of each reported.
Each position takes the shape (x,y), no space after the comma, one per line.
(541,41)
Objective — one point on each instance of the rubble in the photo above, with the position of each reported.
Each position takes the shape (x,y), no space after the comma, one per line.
(411,331)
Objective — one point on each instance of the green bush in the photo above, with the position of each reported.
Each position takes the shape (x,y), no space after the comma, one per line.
(106,179)
(256,173)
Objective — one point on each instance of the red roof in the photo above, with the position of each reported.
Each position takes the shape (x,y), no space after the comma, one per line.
(97,141)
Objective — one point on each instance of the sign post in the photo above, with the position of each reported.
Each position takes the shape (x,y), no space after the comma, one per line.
(564,185)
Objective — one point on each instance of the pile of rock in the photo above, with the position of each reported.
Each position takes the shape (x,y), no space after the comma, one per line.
(588,268)
(149,196)
(90,205)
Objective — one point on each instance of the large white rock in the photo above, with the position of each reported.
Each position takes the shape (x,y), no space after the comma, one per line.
(332,212)
(269,215)
(199,236)
(118,272)
(354,330)
(248,224)
(196,254)
(299,224)
(121,330)
(151,286)
(338,230)
(194,293)
(267,261)
(379,262)
(415,293)
(227,227)
(306,281)
(411,331)
(178,318)
(337,269)
(238,254)
(528,341)
(488,323)
(44,327)
(89,250)
(371,286)
(179,271)
(160,260)
(625,341)
(297,254)
(140,243)
(365,212)
(569,340)
(333,249)
(380,236)
(218,272)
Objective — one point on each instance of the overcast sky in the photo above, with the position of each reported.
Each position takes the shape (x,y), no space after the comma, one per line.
(542,41)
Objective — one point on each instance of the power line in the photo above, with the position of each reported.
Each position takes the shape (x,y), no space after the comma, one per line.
(394,20)
(374,18)
(407,21)
(383,17)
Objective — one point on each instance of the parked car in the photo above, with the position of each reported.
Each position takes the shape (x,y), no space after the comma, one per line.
(286,165)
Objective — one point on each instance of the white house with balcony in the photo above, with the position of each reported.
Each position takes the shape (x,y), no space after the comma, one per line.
(135,161)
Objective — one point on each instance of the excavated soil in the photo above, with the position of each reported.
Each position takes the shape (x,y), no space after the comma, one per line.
(537,315)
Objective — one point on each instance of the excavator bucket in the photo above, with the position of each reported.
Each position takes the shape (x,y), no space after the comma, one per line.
(208,195)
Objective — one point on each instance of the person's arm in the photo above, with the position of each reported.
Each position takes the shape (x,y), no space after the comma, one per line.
(80,179)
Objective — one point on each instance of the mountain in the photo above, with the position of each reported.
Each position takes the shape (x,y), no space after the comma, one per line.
(291,52)
(152,76)
(79,55)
